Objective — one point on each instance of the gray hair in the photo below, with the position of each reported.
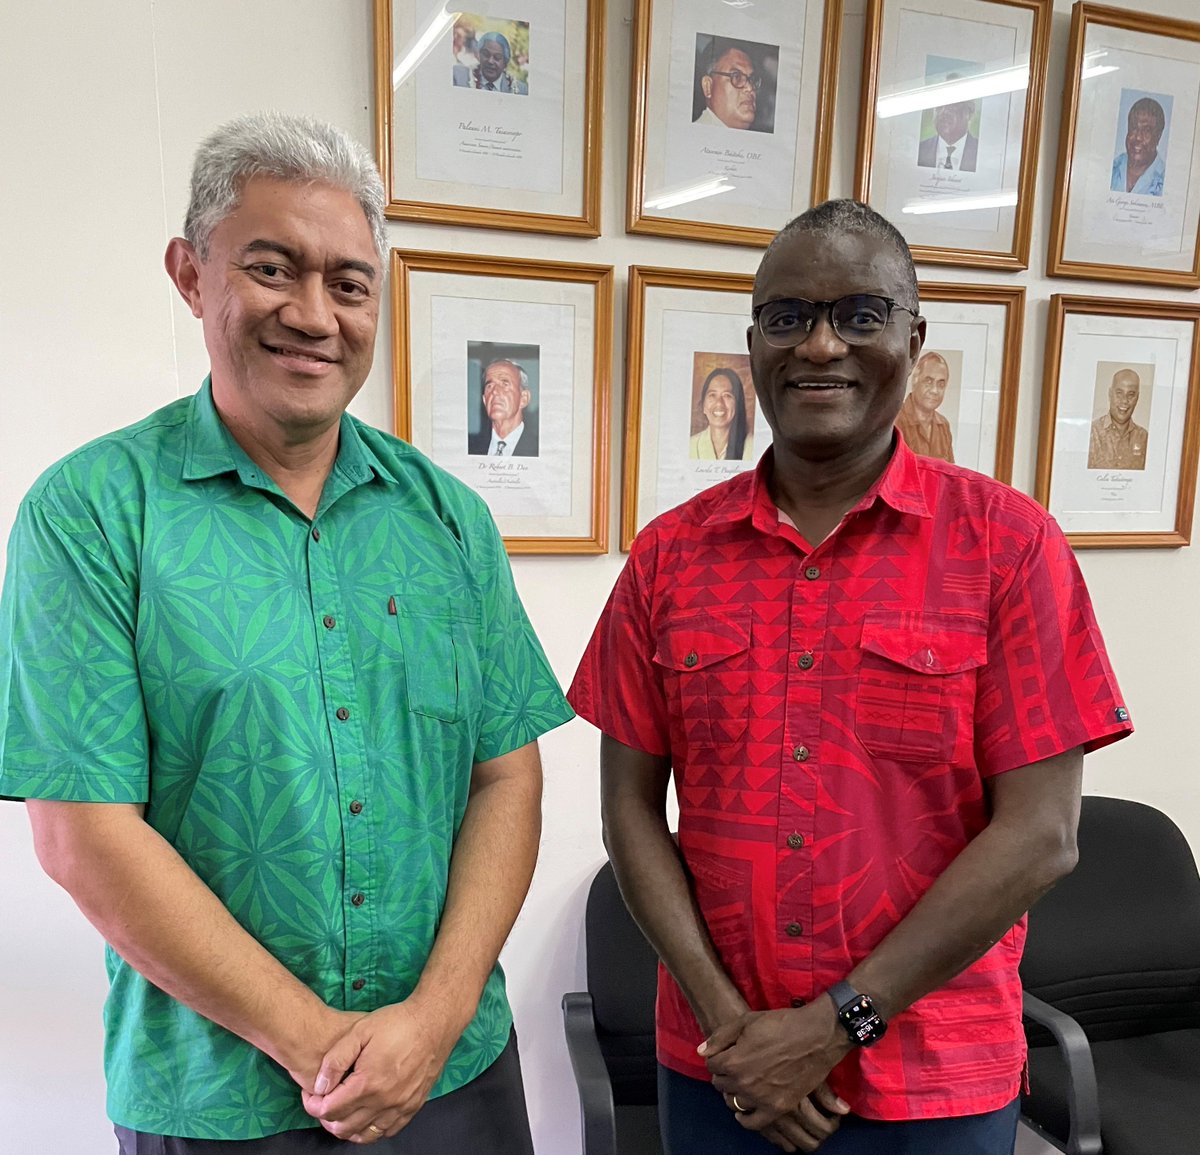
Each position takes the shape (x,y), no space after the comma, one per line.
(931,355)
(290,148)
(834,218)
(505,361)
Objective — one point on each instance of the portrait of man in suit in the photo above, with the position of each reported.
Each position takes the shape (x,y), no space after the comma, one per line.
(953,146)
(510,428)
(494,54)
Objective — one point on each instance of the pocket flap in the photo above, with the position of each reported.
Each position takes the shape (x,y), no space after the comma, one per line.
(928,643)
(700,640)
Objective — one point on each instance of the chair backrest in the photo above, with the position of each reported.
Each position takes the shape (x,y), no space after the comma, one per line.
(1116,944)
(622,972)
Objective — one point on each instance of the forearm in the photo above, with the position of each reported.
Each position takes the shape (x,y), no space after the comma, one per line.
(981,894)
(169,926)
(654,883)
(490,871)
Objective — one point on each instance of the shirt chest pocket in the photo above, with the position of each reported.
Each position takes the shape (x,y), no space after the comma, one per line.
(441,662)
(705,663)
(916,683)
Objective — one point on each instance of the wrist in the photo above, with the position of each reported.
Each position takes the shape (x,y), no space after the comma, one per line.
(862,1025)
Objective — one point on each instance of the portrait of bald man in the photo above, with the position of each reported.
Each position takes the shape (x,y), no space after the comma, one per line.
(924,429)
(1117,441)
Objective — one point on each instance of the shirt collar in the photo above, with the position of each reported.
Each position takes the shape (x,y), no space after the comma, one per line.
(212,450)
(899,485)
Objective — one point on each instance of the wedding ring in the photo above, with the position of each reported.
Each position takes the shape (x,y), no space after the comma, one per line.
(373,1129)
(738,1107)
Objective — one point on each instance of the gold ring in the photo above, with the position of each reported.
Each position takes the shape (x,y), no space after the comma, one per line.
(738,1107)
(373,1129)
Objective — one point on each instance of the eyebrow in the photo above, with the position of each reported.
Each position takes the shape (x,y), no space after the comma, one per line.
(265,245)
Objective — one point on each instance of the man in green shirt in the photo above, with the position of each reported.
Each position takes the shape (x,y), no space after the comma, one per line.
(272,701)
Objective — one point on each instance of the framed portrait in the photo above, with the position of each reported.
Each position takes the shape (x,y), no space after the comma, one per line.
(732,110)
(502,374)
(961,402)
(1128,200)
(478,111)
(949,125)
(1118,442)
(691,416)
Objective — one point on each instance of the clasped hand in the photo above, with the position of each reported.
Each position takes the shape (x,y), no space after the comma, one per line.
(775,1063)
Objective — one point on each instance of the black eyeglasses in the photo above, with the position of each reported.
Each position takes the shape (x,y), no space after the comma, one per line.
(739,79)
(857,319)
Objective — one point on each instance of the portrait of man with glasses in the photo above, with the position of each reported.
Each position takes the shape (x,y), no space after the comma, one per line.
(872,677)
(735,83)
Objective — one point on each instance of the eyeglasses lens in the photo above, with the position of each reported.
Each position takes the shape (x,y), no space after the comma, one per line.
(857,319)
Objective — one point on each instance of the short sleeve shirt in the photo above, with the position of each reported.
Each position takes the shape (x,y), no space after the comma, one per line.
(831,714)
(298,705)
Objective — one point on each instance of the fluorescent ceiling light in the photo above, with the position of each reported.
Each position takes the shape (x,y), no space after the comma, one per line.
(963,204)
(953,92)
(682,194)
(420,48)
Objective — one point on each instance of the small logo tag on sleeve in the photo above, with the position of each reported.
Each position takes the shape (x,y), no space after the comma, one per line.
(392,605)
(1122,714)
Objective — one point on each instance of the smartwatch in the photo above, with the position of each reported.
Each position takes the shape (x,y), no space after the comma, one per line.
(857,1014)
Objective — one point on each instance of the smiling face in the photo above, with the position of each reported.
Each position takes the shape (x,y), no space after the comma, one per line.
(825,398)
(503,398)
(1123,395)
(492,60)
(929,380)
(1141,139)
(289,299)
(719,402)
(732,106)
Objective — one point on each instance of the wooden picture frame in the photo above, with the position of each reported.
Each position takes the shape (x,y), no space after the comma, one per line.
(736,180)
(1120,422)
(975,68)
(539,333)
(453,152)
(684,327)
(1117,218)
(974,331)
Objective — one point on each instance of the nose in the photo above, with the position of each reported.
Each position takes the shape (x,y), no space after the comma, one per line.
(308,308)
(822,343)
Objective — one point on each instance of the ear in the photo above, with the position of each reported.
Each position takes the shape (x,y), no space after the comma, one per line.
(526,397)
(916,339)
(706,85)
(183,267)
(749,338)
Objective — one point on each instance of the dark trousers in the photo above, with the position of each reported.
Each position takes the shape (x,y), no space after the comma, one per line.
(695,1121)
(486,1117)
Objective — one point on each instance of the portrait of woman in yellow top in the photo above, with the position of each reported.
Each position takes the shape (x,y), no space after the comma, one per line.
(722,406)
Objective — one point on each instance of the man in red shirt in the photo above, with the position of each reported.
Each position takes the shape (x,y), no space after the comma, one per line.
(873,676)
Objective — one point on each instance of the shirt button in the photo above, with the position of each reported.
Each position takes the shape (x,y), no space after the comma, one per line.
(795,841)
(812,572)
(358,984)
(328,622)
(800,753)
(805,661)
(358,898)
(316,534)
(342,713)
(691,660)
(797,1001)
(794,929)
(356,807)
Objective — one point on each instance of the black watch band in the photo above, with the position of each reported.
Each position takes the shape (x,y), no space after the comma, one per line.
(857,1014)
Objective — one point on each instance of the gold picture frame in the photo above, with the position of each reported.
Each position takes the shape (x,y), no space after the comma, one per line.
(459,319)
(1120,421)
(432,130)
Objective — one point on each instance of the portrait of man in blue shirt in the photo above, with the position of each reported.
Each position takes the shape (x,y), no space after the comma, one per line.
(1141,167)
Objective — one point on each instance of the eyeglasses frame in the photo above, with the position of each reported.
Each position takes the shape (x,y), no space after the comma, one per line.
(826,308)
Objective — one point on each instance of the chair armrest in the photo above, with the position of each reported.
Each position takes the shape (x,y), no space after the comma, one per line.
(1083,1101)
(599,1120)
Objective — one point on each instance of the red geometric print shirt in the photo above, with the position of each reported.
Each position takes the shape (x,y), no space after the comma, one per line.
(831,715)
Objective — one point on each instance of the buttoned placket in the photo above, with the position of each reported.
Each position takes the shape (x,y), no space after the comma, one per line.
(349,761)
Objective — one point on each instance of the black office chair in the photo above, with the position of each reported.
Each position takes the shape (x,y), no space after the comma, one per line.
(1112,975)
(610,1029)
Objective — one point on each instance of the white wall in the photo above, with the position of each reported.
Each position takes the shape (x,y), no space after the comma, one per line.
(104,103)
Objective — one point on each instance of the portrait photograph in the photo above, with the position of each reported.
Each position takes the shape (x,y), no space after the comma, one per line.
(1140,154)
(734,83)
(949,132)
(490,54)
(723,406)
(1118,441)
(502,399)
(731,116)
(503,378)
(961,400)
(1127,192)
(950,122)
(491,118)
